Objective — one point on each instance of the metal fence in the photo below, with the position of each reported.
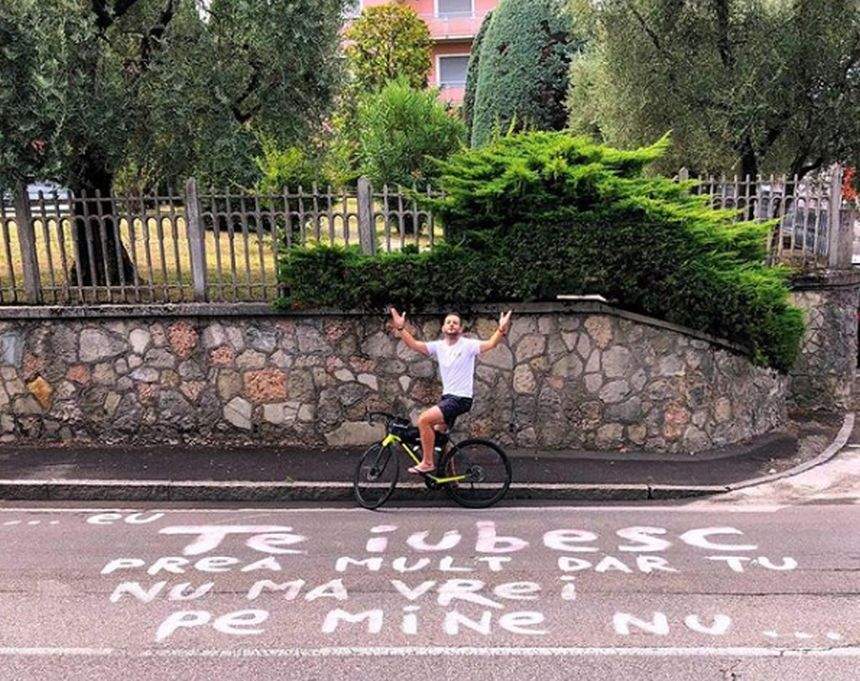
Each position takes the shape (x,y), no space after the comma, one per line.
(813,225)
(197,245)
(204,245)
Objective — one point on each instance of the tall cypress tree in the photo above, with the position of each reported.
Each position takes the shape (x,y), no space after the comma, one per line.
(523,68)
(472,75)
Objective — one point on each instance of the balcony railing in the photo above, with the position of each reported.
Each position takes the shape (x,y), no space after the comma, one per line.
(453,25)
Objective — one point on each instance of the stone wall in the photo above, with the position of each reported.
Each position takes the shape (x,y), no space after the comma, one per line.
(823,375)
(568,376)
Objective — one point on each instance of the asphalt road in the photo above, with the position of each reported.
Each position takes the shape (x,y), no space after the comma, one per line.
(660,592)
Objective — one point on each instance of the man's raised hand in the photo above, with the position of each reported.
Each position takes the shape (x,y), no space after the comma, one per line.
(397,319)
(505,321)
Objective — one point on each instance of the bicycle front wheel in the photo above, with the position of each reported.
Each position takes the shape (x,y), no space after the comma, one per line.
(485,469)
(375,476)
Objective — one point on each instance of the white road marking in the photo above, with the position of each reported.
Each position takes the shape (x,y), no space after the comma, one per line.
(763,508)
(438,651)
(44,651)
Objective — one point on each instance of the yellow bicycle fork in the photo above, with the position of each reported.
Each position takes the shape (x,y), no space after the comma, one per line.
(391,439)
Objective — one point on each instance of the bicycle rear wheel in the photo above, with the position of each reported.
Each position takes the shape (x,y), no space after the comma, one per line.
(376,476)
(486,469)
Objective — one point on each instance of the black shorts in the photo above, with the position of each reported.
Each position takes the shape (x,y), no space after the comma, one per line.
(452,406)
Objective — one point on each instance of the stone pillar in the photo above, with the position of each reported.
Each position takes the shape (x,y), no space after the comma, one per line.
(823,375)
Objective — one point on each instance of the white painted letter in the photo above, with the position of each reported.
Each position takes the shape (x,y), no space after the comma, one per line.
(454,619)
(372,564)
(495,562)
(373,617)
(331,589)
(140,519)
(489,542)
(177,593)
(567,540)
(643,535)
(233,622)
(608,563)
(379,544)
(516,622)
(182,618)
(622,621)
(412,594)
(400,565)
(787,563)
(122,564)
(210,537)
(464,590)
(292,588)
(215,564)
(518,591)
(269,563)
(172,564)
(418,541)
(718,628)
(571,564)
(136,590)
(699,539)
(648,564)
(104,518)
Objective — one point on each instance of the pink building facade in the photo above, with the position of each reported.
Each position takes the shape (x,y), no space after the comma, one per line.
(453,24)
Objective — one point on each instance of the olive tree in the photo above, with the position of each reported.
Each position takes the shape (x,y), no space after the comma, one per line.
(149,91)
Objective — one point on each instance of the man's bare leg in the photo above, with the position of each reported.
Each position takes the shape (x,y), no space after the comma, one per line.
(427,422)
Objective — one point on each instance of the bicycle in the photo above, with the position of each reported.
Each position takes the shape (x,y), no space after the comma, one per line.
(476,473)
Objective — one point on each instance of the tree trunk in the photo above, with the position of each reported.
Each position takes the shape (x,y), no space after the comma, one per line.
(102,256)
(749,168)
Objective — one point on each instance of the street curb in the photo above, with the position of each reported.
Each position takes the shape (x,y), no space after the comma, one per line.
(247,491)
(830,451)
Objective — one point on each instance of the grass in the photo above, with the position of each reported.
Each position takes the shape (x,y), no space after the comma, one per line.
(159,248)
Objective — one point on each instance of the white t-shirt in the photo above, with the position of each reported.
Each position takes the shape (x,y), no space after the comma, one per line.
(456,364)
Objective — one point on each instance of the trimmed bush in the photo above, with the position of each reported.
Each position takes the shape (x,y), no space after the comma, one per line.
(534,215)
(523,69)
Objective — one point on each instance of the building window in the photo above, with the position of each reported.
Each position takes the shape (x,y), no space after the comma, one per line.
(452,70)
(456,8)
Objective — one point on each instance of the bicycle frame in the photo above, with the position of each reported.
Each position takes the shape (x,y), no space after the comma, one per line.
(391,439)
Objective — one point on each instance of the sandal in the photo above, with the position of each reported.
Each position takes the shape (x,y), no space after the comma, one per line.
(418,470)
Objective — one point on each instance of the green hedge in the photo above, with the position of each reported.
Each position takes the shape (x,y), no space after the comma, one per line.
(534,215)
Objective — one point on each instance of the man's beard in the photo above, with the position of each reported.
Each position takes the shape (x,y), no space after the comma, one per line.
(454,335)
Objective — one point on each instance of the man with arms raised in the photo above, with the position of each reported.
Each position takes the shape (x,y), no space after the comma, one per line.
(456,357)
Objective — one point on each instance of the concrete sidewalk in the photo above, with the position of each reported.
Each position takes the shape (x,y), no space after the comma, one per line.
(173,473)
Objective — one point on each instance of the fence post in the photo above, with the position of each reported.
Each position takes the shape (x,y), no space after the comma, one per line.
(196,240)
(366,231)
(27,243)
(840,234)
